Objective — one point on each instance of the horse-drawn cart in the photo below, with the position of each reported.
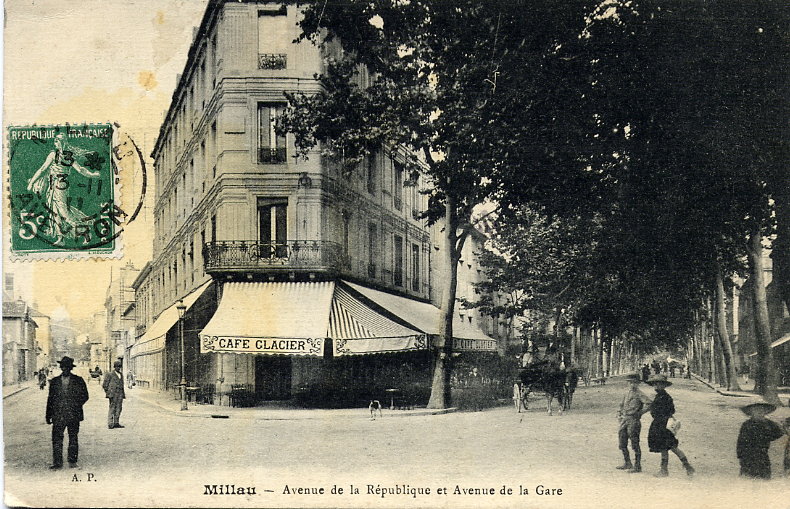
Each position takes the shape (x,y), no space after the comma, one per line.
(548,378)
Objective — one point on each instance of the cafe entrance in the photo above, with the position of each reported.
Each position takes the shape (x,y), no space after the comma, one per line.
(272,377)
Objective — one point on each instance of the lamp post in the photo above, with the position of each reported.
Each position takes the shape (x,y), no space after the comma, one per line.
(181,310)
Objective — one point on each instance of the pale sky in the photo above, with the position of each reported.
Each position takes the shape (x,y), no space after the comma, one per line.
(91,61)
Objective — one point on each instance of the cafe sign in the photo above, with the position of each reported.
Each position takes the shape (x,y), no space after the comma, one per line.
(258,345)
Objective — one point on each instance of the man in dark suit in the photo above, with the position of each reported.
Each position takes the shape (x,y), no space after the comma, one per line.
(67,394)
(113,389)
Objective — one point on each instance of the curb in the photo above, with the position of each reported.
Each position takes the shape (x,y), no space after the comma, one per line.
(16,391)
(724,392)
(299,415)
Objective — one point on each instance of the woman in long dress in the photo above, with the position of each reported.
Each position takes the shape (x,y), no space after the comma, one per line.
(659,438)
(53,176)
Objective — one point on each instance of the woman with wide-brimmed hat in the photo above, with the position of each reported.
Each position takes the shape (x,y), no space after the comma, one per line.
(659,438)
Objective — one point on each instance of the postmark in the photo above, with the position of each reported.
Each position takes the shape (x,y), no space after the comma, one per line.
(65,190)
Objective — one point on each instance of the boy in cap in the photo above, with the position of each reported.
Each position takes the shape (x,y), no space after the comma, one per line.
(67,394)
(755,437)
(633,406)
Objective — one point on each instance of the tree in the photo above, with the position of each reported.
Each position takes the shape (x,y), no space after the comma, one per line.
(440,79)
(713,79)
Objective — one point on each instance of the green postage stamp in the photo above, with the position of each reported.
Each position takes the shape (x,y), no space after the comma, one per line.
(63,192)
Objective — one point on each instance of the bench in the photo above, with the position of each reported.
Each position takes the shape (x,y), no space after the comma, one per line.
(143,383)
(599,381)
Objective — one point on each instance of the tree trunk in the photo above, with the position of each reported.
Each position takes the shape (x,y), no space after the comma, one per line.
(601,349)
(765,376)
(440,387)
(573,346)
(724,336)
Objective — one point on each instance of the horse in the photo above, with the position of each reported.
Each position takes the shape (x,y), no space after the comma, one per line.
(546,377)
(571,382)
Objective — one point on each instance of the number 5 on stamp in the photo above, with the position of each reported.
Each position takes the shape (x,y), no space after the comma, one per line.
(63,192)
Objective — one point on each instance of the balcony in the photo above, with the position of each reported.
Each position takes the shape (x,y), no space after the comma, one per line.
(292,255)
(272,61)
(271,155)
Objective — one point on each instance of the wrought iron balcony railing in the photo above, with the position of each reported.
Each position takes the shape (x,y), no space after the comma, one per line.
(251,255)
(272,61)
(271,155)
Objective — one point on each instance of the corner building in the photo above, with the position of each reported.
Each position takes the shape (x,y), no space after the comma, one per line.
(298,282)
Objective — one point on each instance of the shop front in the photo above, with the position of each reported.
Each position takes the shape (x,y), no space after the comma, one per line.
(326,344)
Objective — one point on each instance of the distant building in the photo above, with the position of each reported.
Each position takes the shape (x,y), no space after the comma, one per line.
(19,342)
(44,356)
(297,280)
(119,327)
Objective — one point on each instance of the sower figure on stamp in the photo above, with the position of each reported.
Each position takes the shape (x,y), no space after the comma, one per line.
(113,389)
(634,405)
(53,175)
(67,394)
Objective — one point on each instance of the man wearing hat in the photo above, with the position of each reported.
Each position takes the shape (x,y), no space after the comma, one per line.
(113,389)
(633,406)
(67,394)
(755,437)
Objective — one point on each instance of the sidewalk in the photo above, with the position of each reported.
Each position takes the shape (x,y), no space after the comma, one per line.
(746,390)
(10,390)
(279,412)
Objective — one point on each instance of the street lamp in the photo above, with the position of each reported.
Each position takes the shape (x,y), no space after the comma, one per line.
(181,310)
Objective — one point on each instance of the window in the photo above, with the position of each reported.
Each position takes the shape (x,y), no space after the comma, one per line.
(415,267)
(202,247)
(371,176)
(397,275)
(192,260)
(346,221)
(274,39)
(271,146)
(273,227)
(213,155)
(213,228)
(373,249)
(397,192)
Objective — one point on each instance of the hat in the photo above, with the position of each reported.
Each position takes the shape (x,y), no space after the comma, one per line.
(659,379)
(66,361)
(633,377)
(766,407)
(117,363)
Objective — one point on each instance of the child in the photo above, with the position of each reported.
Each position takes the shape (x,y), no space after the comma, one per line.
(755,437)
(659,438)
(633,406)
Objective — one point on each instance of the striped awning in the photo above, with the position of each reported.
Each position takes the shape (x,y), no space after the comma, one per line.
(427,318)
(270,318)
(154,338)
(295,318)
(357,329)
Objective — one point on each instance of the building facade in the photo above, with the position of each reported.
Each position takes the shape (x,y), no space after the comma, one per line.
(292,276)
(19,342)
(119,328)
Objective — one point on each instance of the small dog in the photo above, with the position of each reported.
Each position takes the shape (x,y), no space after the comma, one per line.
(374,407)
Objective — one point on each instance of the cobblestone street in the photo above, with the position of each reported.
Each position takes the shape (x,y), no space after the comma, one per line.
(164,457)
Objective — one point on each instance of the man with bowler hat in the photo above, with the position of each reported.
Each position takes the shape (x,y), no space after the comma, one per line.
(113,389)
(67,394)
